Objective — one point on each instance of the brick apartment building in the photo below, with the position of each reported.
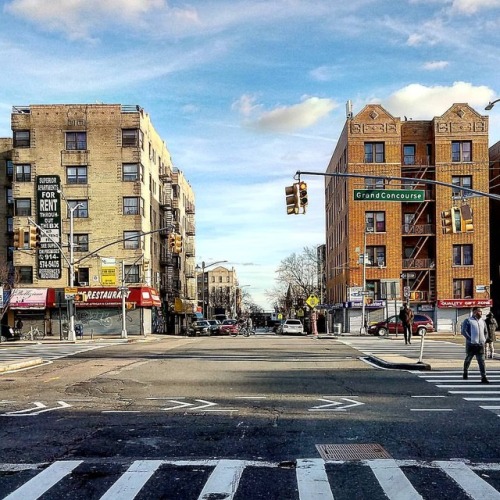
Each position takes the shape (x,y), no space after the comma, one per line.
(104,170)
(391,236)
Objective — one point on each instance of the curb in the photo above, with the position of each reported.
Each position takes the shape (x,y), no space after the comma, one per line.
(7,367)
(398,366)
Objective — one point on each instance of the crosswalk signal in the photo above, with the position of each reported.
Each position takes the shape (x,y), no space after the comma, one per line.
(292,199)
(178,243)
(303,196)
(18,238)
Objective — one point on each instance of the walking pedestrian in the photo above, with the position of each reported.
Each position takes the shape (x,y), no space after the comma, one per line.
(491,328)
(406,316)
(474,330)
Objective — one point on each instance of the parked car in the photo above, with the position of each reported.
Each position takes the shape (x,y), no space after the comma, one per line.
(214,326)
(421,324)
(291,326)
(200,327)
(229,327)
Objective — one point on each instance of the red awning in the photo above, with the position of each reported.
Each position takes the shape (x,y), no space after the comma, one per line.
(28,298)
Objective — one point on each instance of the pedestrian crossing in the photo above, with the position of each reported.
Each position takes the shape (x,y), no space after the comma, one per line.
(47,352)
(301,479)
(486,395)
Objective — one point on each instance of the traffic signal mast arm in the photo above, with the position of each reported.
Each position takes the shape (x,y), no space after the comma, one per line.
(405,179)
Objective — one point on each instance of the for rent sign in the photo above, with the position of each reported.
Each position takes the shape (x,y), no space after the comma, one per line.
(402,195)
(49,219)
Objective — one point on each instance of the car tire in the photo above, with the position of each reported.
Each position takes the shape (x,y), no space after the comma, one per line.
(421,331)
(383,332)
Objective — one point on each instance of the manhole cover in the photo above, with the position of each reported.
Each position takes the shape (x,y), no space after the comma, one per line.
(351,451)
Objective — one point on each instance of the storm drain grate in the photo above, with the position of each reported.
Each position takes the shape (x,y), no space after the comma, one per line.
(351,451)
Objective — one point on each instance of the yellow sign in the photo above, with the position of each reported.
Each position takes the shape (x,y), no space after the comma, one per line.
(108,275)
(312,301)
(70,292)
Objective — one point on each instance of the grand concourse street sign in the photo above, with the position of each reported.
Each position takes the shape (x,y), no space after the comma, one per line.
(401,195)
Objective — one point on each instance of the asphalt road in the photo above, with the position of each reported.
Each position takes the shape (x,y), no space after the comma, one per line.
(302,418)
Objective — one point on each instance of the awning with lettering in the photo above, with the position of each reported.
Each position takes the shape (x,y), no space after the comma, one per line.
(28,298)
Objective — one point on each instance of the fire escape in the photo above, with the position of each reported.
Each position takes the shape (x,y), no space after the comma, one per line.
(419,237)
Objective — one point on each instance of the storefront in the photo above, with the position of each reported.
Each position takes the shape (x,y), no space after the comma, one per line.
(28,304)
(452,312)
(99,310)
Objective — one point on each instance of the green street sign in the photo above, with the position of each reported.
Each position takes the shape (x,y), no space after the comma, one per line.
(401,195)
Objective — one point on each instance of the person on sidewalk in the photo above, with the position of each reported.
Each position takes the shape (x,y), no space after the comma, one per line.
(491,328)
(474,330)
(406,316)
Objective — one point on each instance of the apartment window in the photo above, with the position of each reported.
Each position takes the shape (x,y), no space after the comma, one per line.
(131,274)
(25,274)
(22,206)
(82,276)
(21,138)
(375,222)
(461,151)
(81,242)
(133,205)
(374,152)
(76,141)
(130,137)
(131,240)
(462,255)
(76,175)
(130,172)
(376,256)
(82,210)
(10,196)
(462,288)
(462,181)
(374,183)
(409,154)
(10,167)
(23,173)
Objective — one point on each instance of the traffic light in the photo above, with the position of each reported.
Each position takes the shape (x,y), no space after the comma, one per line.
(467,224)
(451,221)
(33,237)
(171,241)
(303,196)
(18,237)
(292,199)
(178,243)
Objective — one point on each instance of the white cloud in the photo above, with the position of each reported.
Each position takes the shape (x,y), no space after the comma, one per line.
(473,6)
(421,102)
(295,117)
(245,105)
(323,73)
(435,65)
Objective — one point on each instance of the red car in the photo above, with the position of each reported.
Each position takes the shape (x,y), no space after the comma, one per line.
(229,327)
(421,324)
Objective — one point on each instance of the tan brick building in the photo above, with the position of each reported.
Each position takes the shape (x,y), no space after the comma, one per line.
(106,169)
(394,220)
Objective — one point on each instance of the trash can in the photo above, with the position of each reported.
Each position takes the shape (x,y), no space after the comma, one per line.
(79,330)
(337,328)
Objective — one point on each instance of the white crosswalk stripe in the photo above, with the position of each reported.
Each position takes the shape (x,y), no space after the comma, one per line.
(315,479)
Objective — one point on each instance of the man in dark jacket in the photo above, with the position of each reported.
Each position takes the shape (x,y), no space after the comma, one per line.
(474,330)
(406,316)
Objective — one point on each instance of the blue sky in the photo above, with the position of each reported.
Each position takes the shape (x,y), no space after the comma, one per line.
(245,93)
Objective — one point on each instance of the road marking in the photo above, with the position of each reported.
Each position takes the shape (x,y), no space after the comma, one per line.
(38,485)
(120,411)
(470,482)
(132,481)
(224,480)
(474,392)
(432,409)
(482,399)
(339,405)
(428,396)
(312,480)
(192,407)
(394,483)
(250,397)
(28,412)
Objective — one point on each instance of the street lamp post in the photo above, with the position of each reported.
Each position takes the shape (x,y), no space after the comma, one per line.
(362,329)
(71,243)
(203,267)
(491,104)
